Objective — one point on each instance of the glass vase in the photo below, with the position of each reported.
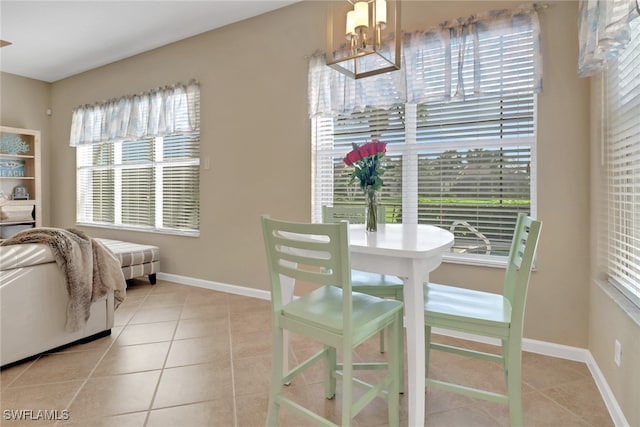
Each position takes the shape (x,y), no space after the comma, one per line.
(371,209)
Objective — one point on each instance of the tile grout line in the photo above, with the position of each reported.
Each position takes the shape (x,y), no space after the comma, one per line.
(554,400)
(564,408)
(30,363)
(233,376)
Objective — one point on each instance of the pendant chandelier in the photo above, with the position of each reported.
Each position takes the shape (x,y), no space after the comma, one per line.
(363,37)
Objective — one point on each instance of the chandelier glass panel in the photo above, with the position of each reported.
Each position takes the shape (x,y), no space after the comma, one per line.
(363,37)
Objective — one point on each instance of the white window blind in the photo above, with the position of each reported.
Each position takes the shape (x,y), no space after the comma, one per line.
(150,184)
(465,162)
(623,168)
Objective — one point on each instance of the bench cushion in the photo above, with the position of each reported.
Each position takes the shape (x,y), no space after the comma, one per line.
(136,260)
(132,253)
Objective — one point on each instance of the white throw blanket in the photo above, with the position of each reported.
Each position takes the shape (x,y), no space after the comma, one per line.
(90,268)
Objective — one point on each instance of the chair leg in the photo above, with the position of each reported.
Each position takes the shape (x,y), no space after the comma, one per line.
(330,366)
(396,355)
(505,359)
(382,341)
(400,349)
(347,387)
(427,349)
(277,375)
(513,365)
(400,297)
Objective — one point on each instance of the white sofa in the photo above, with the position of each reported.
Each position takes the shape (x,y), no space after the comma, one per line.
(33,305)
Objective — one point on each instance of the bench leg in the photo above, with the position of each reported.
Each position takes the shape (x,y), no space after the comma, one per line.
(152,278)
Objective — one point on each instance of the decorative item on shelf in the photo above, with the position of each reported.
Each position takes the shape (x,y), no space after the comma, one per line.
(11,168)
(20,192)
(368,170)
(373,34)
(16,213)
(11,143)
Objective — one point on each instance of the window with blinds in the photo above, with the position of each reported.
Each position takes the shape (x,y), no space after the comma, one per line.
(465,163)
(151,184)
(623,168)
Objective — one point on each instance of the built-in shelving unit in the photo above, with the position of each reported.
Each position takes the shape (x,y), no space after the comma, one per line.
(20,188)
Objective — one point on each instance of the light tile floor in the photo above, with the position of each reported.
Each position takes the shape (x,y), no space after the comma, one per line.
(190,357)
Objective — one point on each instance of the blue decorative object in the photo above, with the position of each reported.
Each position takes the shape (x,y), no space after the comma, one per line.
(13,144)
(12,168)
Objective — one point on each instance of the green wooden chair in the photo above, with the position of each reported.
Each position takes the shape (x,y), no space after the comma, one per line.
(331,314)
(489,315)
(379,285)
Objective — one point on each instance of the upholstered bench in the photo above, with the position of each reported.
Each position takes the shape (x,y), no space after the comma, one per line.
(136,260)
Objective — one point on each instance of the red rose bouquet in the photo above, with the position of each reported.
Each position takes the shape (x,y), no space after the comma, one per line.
(366,162)
(368,169)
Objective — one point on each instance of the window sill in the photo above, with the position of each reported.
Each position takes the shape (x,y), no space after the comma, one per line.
(475,260)
(620,300)
(142,230)
(479,260)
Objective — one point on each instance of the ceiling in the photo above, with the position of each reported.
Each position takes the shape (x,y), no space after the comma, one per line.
(52,40)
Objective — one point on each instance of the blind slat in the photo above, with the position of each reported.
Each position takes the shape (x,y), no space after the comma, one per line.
(622,251)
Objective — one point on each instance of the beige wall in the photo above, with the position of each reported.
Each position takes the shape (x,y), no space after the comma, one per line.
(24,104)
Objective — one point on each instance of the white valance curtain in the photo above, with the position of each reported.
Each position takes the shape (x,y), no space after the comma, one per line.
(464,46)
(163,111)
(603,32)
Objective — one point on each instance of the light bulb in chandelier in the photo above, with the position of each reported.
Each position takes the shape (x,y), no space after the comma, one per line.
(381,14)
(361,20)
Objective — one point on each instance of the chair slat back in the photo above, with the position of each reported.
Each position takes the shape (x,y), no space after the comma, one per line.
(314,253)
(520,264)
(353,214)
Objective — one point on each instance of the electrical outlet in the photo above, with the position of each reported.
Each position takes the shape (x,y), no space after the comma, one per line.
(617,353)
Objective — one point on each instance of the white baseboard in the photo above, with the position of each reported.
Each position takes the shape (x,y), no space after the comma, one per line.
(534,346)
(605,391)
(216,286)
